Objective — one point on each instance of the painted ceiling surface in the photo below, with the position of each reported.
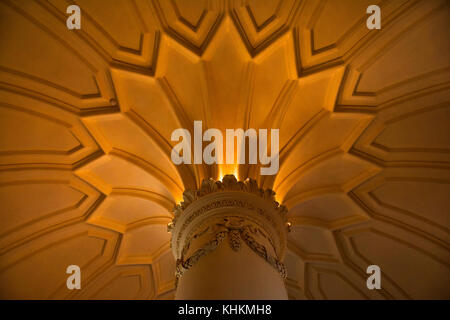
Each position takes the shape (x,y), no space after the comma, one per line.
(86,118)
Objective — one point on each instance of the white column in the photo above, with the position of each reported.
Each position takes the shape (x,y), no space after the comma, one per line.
(229,239)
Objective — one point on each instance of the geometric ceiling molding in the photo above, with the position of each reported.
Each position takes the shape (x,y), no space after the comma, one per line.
(190,100)
(137,189)
(169,295)
(415,133)
(322,249)
(261,23)
(190,97)
(86,175)
(325,279)
(123,283)
(340,172)
(229,90)
(364,245)
(78,82)
(122,211)
(295,277)
(137,93)
(273,67)
(164,274)
(135,247)
(315,212)
(327,33)
(327,283)
(72,201)
(126,37)
(305,118)
(50,137)
(192,26)
(422,209)
(89,247)
(394,51)
(98,174)
(121,137)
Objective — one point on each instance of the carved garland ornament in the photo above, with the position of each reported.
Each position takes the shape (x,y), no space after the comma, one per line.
(235,235)
(220,204)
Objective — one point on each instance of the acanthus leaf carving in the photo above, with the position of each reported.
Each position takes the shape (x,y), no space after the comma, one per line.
(228,183)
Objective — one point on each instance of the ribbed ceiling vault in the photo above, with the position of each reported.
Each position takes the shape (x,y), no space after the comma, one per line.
(86,118)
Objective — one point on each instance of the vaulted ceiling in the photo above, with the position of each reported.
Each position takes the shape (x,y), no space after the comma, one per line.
(87,115)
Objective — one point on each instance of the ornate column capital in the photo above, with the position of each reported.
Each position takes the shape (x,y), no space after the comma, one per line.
(239,211)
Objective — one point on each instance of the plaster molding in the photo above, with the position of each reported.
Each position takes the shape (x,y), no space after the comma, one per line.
(237,231)
(228,183)
(239,210)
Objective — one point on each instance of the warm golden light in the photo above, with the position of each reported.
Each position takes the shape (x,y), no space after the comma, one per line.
(225,169)
(105,129)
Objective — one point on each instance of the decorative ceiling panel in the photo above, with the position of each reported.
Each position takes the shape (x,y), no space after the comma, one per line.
(86,118)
